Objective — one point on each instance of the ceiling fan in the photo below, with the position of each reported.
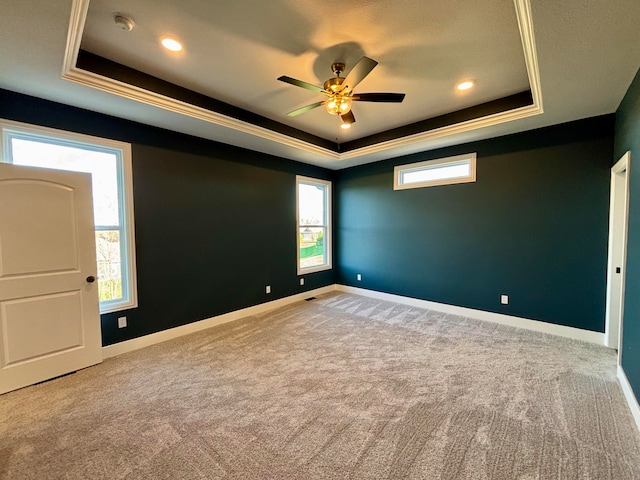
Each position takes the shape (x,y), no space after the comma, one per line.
(339,91)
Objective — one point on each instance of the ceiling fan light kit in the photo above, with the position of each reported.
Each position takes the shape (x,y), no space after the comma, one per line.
(339,91)
(338,105)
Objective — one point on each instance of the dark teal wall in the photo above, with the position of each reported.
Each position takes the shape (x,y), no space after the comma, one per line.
(534,226)
(214,224)
(628,139)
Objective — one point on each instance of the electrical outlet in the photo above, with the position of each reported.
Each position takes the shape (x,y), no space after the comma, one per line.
(268,289)
(504,299)
(359,277)
(122,322)
(302,281)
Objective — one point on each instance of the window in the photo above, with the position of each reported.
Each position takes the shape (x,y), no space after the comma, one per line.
(109,163)
(444,171)
(313,205)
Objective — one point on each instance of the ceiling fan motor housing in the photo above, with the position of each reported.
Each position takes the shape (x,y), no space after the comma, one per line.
(334,84)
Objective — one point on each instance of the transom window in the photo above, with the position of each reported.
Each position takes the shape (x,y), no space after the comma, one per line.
(109,163)
(313,206)
(444,171)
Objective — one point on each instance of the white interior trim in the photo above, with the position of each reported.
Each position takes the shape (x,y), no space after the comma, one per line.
(632,401)
(327,224)
(525,24)
(77,19)
(71,72)
(128,219)
(622,165)
(132,92)
(159,337)
(519,322)
(400,170)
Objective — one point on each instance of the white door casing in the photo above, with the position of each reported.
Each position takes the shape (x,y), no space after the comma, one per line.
(49,309)
(616,265)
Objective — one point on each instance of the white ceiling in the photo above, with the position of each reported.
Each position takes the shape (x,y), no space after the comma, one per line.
(235,51)
(587,55)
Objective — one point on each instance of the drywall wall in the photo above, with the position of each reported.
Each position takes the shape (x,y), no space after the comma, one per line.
(214,224)
(533,226)
(627,138)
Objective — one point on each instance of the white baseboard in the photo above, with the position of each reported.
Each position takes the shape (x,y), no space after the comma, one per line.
(158,337)
(535,325)
(538,326)
(632,401)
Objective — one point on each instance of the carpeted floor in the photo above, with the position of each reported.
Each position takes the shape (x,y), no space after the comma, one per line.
(342,387)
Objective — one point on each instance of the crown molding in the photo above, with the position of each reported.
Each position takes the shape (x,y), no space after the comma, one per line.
(79,9)
(125,90)
(525,24)
(72,73)
(462,127)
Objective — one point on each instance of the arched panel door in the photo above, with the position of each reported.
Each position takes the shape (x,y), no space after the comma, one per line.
(49,308)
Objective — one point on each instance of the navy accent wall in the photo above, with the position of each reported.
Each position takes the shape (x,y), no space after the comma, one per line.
(628,138)
(214,224)
(534,226)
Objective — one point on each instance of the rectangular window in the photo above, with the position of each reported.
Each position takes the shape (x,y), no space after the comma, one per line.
(109,163)
(313,206)
(444,171)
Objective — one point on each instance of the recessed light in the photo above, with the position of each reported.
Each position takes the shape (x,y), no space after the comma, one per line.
(171,44)
(466,85)
(345,126)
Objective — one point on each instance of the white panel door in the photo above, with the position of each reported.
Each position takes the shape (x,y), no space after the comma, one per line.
(49,308)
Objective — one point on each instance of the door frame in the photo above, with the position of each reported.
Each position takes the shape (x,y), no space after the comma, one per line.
(618,209)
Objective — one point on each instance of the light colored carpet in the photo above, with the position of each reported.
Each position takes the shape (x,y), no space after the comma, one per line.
(342,387)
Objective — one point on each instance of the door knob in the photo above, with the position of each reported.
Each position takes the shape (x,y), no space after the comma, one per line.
(91,279)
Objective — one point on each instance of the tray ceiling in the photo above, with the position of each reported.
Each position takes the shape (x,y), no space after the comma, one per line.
(577,57)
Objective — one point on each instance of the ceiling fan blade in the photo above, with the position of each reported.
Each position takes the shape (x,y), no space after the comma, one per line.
(302,110)
(348,117)
(379,97)
(300,83)
(357,73)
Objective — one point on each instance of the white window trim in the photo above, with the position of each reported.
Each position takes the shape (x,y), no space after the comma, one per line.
(327,237)
(469,158)
(9,126)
